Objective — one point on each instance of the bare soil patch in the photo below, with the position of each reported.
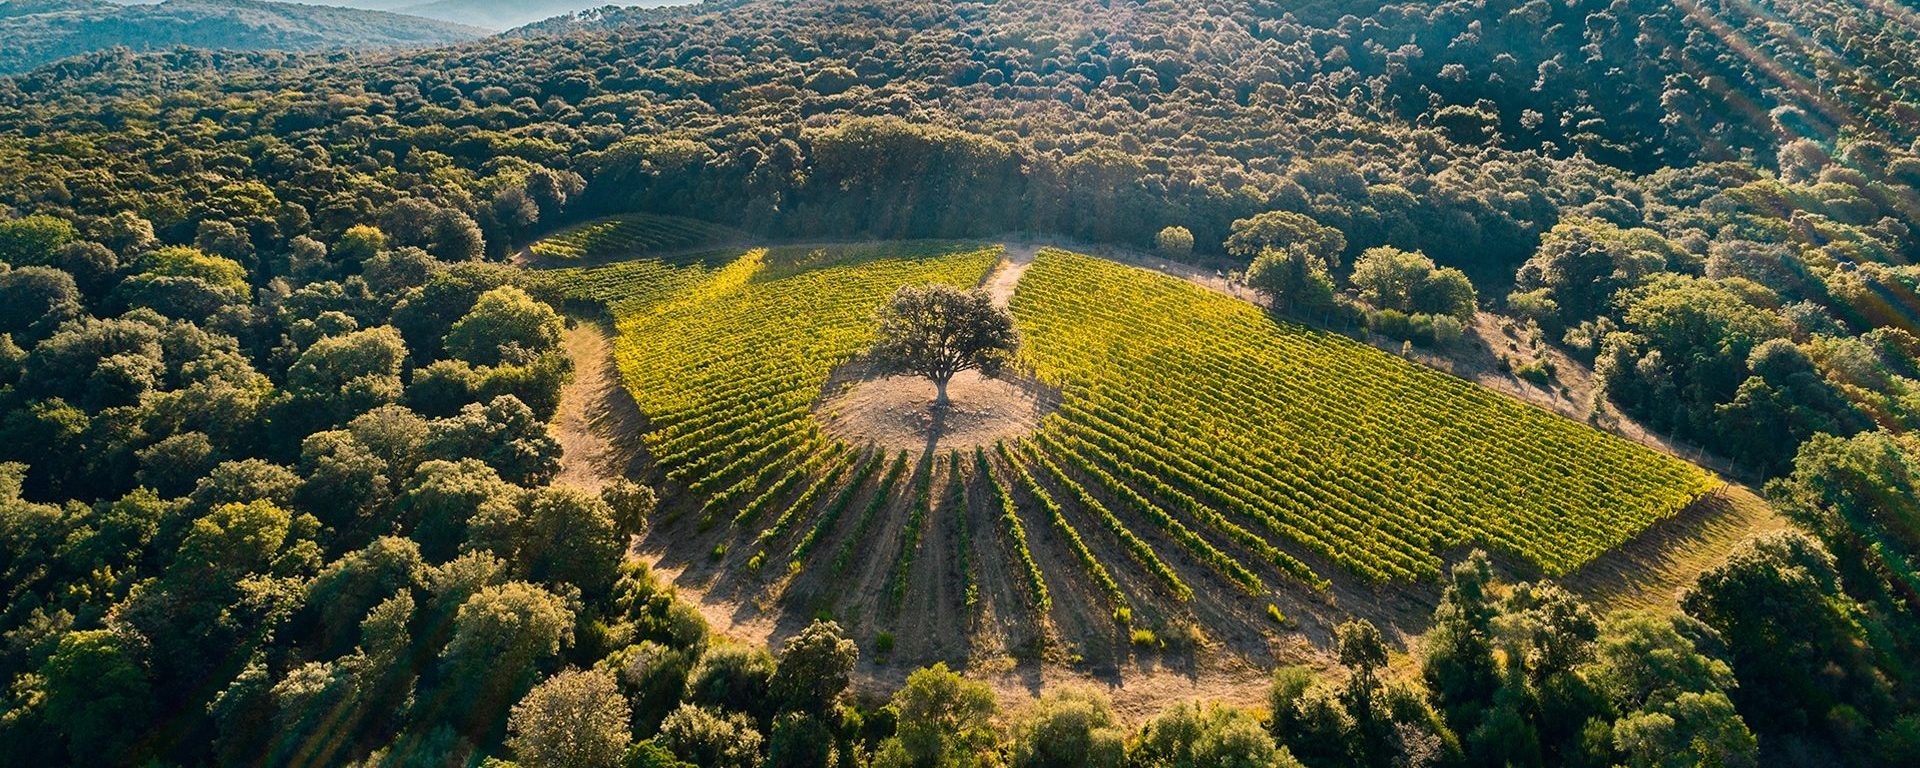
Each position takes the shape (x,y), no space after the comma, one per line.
(598,425)
(898,411)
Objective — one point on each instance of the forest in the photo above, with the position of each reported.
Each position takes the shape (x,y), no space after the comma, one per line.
(277,466)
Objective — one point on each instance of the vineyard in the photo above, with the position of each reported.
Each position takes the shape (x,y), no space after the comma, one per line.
(628,236)
(1202,456)
(728,369)
(1361,458)
(626,287)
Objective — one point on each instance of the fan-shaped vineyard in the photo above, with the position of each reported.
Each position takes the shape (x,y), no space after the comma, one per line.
(727,370)
(629,235)
(1201,452)
(1316,441)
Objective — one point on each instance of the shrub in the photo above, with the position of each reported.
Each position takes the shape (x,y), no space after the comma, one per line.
(1174,242)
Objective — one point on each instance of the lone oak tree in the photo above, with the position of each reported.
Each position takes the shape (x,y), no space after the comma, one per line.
(937,331)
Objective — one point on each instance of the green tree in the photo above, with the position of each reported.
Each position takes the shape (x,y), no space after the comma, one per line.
(1581,263)
(93,266)
(342,594)
(1174,242)
(126,233)
(814,669)
(575,719)
(1686,346)
(944,721)
(1068,728)
(172,466)
(936,331)
(1668,693)
(555,535)
(233,482)
(504,433)
(654,677)
(358,246)
(801,740)
(345,482)
(350,374)
(1387,276)
(448,234)
(34,301)
(1293,280)
(706,738)
(1786,401)
(505,326)
(443,496)
(732,677)
(633,505)
(1446,291)
(1861,497)
(97,697)
(1793,638)
(1280,231)
(1459,666)
(180,261)
(1193,735)
(502,635)
(34,239)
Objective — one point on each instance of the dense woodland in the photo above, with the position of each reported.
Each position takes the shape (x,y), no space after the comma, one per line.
(277,480)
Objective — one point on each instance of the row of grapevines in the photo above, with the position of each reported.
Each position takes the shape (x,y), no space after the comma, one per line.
(1136,547)
(864,523)
(785,522)
(788,480)
(1149,470)
(1200,547)
(917,516)
(962,535)
(1016,534)
(1058,517)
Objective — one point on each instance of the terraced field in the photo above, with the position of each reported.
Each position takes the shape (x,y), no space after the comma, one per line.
(1206,464)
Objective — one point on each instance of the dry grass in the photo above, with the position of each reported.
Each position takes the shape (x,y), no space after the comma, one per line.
(1653,569)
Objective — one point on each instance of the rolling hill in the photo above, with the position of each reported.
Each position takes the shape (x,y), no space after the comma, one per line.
(434,406)
(507,14)
(1200,467)
(36,33)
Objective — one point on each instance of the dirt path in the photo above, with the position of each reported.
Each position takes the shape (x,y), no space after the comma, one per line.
(1005,277)
(598,424)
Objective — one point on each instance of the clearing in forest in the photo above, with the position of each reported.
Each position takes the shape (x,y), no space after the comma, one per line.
(1169,466)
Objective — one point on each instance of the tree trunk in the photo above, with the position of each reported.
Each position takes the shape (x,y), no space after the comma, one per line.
(940,399)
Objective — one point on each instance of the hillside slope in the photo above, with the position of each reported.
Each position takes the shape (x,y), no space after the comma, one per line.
(506,14)
(32,34)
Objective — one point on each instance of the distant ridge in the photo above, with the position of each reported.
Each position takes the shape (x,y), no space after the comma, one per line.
(507,14)
(37,32)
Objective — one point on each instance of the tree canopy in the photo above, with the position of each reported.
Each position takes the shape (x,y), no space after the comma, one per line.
(936,331)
